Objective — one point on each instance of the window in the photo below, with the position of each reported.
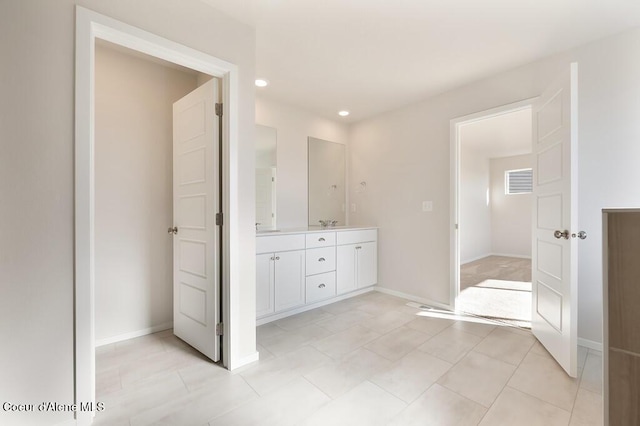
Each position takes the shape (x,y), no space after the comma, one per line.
(518,181)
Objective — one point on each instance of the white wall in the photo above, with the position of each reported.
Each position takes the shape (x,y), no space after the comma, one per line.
(36,182)
(134,192)
(475,210)
(404,157)
(510,214)
(294,126)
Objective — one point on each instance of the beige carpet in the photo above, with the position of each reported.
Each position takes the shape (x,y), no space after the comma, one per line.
(498,288)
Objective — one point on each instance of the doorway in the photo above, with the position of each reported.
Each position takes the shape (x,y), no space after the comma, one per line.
(493,215)
(89,27)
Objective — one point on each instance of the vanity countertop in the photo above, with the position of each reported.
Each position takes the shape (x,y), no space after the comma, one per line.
(310,229)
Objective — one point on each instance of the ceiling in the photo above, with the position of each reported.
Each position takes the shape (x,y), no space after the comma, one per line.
(371,56)
(504,135)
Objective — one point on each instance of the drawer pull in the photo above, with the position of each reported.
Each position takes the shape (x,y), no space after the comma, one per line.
(321,239)
(322,259)
(358,247)
(277,257)
(321,286)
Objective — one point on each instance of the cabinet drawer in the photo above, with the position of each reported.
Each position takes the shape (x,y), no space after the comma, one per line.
(320,260)
(321,286)
(272,243)
(321,239)
(360,236)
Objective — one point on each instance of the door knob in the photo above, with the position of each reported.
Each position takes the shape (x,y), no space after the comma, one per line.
(173,230)
(561,234)
(582,235)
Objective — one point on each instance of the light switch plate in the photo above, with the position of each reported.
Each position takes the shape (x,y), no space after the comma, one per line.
(427,206)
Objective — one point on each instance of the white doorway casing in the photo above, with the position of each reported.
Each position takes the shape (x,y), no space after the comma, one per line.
(89,26)
(455,126)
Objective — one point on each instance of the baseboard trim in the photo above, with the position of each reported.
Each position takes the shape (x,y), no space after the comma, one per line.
(132,334)
(304,308)
(413,298)
(244,361)
(518,256)
(596,346)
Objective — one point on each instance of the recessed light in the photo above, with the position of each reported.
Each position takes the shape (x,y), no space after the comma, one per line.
(261,82)
(343,113)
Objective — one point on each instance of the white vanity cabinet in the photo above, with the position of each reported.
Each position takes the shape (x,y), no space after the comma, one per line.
(280,273)
(296,271)
(357,260)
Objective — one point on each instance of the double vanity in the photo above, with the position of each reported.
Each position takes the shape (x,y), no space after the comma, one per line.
(301,269)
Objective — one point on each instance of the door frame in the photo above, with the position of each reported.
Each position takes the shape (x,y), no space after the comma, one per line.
(89,26)
(454,191)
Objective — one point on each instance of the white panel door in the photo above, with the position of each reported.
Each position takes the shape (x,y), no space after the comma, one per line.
(554,260)
(196,189)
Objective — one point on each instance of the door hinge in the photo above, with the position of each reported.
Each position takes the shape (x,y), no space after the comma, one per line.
(219,110)
(219,329)
(219,219)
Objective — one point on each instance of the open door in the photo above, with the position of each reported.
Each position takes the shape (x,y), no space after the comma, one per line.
(554,260)
(196,200)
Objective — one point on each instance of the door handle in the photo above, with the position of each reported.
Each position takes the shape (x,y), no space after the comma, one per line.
(561,234)
(173,230)
(582,235)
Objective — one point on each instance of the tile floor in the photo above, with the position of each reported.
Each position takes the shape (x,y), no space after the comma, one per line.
(369,360)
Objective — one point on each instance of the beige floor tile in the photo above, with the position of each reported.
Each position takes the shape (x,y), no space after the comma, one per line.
(159,363)
(287,406)
(430,325)
(582,356)
(107,381)
(266,331)
(587,410)
(263,353)
(411,375)
(481,329)
(516,408)
(592,373)
(340,376)
(345,320)
(385,322)
(196,408)
(365,405)
(439,406)
(397,343)
(305,318)
(451,344)
(140,397)
(542,377)
(278,372)
(343,306)
(346,341)
(478,377)
(291,340)
(201,375)
(505,345)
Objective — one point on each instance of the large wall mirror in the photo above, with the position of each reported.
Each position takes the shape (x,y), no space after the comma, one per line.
(266,150)
(327,194)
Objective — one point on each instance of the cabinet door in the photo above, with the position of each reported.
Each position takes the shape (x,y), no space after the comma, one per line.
(367,264)
(346,268)
(264,284)
(289,279)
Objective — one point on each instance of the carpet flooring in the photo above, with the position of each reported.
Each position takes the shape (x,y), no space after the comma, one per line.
(498,288)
